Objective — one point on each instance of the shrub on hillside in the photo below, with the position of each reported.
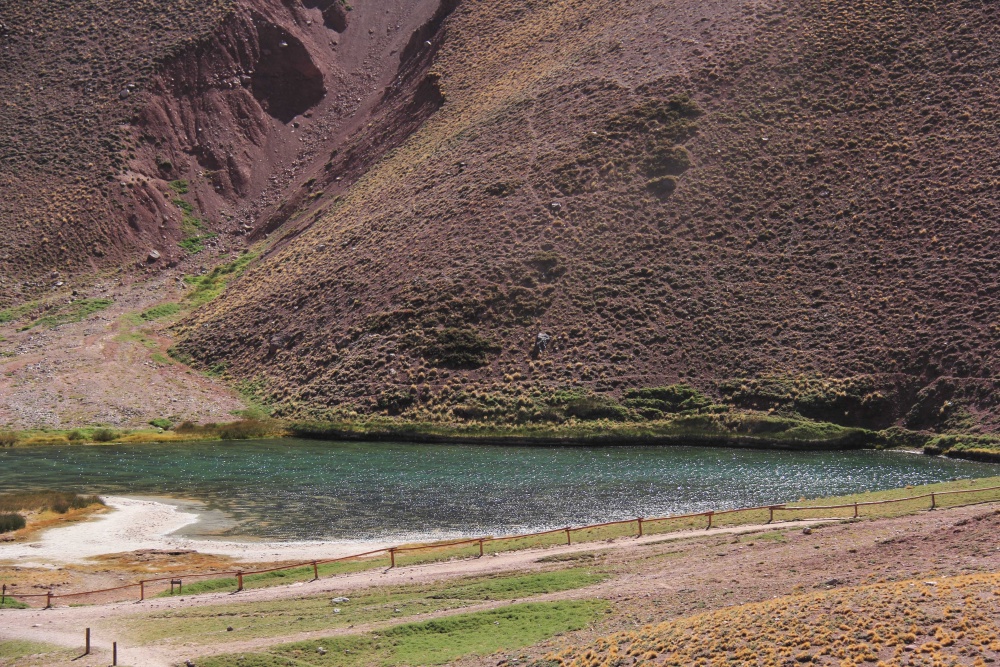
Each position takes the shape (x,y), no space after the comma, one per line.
(457,348)
(596,407)
(7,439)
(672,398)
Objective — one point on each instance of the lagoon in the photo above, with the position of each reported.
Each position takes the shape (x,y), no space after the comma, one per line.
(293,489)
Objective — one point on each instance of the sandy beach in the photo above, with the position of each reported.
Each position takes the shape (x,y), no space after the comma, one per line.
(146,524)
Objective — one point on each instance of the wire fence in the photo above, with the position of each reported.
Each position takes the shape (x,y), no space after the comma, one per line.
(477,547)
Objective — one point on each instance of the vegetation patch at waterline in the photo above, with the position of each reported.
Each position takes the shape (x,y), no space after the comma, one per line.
(973,447)
(22,514)
(58,502)
(164,431)
(666,415)
(11,521)
(670,414)
(431,642)
(732,429)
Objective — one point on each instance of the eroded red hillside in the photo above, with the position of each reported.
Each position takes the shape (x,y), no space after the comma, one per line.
(671,191)
(176,127)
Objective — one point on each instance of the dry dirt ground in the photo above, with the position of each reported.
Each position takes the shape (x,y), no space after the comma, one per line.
(105,369)
(651,579)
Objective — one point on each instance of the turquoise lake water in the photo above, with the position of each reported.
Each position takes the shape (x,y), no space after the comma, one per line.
(300,489)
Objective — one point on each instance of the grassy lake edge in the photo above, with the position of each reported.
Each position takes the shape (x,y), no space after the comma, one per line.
(753,430)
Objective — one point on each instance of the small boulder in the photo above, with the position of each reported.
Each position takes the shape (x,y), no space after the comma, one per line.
(153,255)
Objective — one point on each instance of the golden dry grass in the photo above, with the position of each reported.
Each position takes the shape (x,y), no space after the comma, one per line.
(950,621)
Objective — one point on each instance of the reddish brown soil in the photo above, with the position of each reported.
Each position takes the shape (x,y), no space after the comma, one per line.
(823,205)
(236,97)
(831,216)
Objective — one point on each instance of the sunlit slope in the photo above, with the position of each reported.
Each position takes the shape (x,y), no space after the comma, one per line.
(946,621)
(73,82)
(672,191)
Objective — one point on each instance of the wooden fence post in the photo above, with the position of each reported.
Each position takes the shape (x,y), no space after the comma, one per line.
(86,650)
(392,557)
(710,513)
(48,600)
(933,501)
(239,580)
(568,540)
(480,548)
(315,571)
(770,514)
(640,526)
(142,590)
(114,654)
(3,595)
(855,510)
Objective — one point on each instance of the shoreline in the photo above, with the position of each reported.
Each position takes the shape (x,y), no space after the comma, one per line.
(142,524)
(736,430)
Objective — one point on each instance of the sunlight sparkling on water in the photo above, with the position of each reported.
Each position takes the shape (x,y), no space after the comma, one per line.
(295,489)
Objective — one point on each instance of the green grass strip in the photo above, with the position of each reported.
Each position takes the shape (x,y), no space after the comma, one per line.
(72,312)
(431,642)
(159,312)
(13,649)
(275,618)
(11,603)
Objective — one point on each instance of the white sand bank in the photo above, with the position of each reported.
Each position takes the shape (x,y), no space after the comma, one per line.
(145,524)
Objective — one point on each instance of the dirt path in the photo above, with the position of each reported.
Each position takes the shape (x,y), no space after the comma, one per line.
(652,578)
(63,625)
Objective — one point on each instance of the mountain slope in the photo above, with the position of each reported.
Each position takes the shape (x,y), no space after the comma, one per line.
(136,135)
(671,191)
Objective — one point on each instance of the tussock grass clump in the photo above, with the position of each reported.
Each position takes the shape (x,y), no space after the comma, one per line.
(457,347)
(103,435)
(11,522)
(7,439)
(244,429)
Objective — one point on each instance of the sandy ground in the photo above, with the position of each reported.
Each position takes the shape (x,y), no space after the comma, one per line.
(144,524)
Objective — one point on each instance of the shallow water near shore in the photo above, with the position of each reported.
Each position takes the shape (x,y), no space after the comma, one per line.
(304,490)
